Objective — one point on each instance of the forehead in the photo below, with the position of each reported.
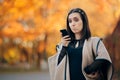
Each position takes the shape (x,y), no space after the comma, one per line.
(75,14)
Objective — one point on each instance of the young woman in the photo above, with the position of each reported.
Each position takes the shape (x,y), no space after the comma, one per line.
(80,56)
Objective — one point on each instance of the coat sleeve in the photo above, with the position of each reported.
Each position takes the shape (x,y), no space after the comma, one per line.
(103,54)
(102,61)
(54,69)
(61,54)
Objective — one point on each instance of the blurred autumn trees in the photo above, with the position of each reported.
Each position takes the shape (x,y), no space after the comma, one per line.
(29,29)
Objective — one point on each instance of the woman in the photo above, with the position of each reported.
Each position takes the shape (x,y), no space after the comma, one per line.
(80,56)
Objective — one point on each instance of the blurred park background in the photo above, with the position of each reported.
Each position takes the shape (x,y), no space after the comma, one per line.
(29,30)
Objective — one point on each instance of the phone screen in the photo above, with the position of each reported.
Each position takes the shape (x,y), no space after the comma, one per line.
(64,32)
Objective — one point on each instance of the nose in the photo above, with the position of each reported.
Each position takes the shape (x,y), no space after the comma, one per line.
(73,24)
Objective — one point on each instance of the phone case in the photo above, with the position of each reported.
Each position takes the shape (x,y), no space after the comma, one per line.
(64,32)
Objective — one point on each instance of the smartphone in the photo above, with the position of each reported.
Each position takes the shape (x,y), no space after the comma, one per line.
(64,32)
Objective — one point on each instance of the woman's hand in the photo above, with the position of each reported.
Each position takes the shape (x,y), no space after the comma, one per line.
(65,40)
(94,75)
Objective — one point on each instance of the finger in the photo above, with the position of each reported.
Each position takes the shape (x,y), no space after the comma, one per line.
(67,39)
(66,36)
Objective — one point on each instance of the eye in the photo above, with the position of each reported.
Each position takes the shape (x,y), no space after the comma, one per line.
(69,20)
(75,19)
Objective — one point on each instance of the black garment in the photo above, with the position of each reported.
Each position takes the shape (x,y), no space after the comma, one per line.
(100,65)
(75,60)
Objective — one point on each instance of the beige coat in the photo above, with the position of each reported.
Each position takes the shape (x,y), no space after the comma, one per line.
(57,71)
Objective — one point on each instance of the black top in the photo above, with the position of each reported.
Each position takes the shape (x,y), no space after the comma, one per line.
(75,60)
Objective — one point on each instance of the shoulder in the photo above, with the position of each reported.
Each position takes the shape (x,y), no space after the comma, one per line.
(94,39)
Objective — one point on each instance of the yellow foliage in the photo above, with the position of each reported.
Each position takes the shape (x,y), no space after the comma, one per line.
(12,56)
(13,11)
(38,3)
(20,3)
(50,16)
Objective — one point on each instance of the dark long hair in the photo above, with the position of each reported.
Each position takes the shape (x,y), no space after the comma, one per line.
(85,33)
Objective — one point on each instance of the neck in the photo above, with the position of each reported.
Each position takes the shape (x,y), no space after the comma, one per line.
(77,36)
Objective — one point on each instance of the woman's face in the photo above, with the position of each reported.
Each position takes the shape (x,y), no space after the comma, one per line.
(75,22)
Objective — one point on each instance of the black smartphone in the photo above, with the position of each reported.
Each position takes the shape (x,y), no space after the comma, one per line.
(64,32)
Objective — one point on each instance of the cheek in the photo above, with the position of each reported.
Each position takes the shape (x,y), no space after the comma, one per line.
(80,24)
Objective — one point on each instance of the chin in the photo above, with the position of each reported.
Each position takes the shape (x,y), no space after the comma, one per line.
(75,32)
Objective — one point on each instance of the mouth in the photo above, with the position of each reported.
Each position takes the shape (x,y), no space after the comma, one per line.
(74,29)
